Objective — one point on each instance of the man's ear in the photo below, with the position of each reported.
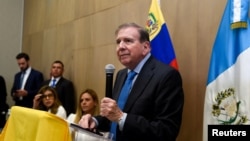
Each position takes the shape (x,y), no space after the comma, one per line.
(146,46)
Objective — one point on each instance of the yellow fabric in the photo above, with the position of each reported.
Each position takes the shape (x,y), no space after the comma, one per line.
(25,124)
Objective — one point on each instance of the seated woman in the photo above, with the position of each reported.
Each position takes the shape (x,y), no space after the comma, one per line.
(88,103)
(47,100)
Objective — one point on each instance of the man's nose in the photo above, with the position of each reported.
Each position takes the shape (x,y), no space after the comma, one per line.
(121,45)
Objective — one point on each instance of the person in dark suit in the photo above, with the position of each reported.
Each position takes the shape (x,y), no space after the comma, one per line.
(27,82)
(153,109)
(3,105)
(63,86)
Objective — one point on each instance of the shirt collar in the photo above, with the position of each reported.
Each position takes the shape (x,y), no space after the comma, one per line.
(141,64)
(57,78)
(28,70)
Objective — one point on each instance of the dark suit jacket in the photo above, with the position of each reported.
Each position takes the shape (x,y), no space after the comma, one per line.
(32,85)
(3,105)
(66,94)
(3,93)
(154,106)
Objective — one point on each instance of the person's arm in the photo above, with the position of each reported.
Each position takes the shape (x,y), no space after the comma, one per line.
(121,121)
(15,87)
(88,122)
(36,101)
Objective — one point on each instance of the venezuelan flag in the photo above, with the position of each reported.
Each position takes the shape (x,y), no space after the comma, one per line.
(161,44)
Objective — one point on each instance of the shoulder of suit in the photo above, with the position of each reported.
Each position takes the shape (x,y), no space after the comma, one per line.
(154,65)
(64,79)
(36,71)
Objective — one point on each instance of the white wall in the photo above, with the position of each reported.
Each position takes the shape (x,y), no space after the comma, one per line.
(11,24)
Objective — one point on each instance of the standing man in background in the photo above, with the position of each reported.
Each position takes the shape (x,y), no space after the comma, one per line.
(63,86)
(26,82)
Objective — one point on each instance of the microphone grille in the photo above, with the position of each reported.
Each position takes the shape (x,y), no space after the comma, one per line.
(109,68)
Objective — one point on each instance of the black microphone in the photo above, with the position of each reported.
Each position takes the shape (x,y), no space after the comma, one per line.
(109,68)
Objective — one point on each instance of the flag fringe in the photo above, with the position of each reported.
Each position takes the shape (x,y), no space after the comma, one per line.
(238,25)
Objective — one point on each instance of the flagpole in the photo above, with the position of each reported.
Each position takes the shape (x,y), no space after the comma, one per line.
(159,2)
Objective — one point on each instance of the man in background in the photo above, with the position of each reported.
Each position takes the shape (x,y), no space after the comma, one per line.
(63,86)
(26,82)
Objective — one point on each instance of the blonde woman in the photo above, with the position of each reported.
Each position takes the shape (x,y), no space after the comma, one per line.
(88,103)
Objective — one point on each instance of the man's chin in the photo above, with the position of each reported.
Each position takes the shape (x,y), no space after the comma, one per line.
(124,61)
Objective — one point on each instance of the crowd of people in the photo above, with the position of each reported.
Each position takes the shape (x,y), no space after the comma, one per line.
(55,95)
(146,103)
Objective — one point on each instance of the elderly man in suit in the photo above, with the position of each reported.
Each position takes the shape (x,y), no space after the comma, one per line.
(152,109)
(63,86)
(26,82)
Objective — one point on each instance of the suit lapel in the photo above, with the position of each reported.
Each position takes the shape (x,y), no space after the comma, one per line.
(29,78)
(122,76)
(60,81)
(141,82)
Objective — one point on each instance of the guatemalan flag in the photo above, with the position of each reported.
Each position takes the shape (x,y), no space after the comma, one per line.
(161,44)
(227,99)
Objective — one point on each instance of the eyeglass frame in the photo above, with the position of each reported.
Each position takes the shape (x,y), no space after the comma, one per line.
(49,96)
